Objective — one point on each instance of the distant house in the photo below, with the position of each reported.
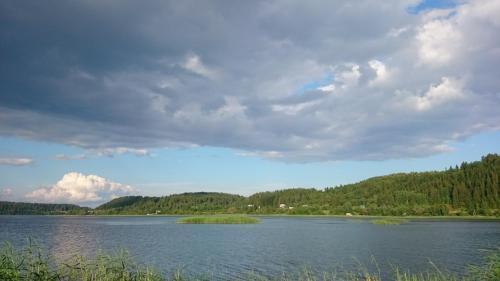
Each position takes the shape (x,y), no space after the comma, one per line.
(348,214)
(282,206)
(290,207)
(250,206)
(155,213)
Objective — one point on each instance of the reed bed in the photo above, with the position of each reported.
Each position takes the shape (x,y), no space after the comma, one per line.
(219,220)
(32,264)
(389,221)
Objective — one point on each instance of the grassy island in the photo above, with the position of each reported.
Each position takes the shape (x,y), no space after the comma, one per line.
(218,220)
(389,221)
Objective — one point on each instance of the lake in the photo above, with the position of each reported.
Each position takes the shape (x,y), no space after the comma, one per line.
(276,245)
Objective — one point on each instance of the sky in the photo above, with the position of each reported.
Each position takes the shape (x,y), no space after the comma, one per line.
(100,99)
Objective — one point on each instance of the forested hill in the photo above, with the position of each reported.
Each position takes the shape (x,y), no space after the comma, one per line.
(185,203)
(18,208)
(468,189)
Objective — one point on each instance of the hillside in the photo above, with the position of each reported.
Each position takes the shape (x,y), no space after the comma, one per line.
(185,203)
(473,189)
(19,208)
(468,189)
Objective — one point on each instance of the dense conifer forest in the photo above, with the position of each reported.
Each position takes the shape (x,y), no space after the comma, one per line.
(468,189)
(18,208)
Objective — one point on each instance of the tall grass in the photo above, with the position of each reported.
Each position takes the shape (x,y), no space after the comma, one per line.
(31,263)
(229,219)
(389,221)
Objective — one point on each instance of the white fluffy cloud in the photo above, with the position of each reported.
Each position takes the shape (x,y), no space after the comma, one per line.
(16,161)
(439,41)
(382,74)
(327,88)
(79,188)
(349,77)
(448,90)
(194,64)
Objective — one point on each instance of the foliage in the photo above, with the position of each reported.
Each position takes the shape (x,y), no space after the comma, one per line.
(490,271)
(18,208)
(121,202)
(389,221)
(32,264)
(471,189)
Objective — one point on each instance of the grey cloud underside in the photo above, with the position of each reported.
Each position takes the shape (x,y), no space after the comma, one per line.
(104,74)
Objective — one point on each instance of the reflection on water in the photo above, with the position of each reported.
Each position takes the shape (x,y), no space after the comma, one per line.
(278,244)
(69,238)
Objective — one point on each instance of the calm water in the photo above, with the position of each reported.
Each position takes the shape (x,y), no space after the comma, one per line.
(276,245)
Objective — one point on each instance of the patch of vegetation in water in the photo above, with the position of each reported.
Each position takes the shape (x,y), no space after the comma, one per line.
(389,221)
(31,263)
(218,220)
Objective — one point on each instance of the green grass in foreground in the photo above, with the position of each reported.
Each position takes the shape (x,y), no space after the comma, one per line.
(33,264)
(218,220)
(389,221)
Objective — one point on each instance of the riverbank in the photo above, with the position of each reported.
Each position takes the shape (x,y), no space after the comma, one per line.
(410,218)
(354,217)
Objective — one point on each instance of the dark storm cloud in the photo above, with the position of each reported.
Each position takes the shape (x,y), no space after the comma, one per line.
(103,75)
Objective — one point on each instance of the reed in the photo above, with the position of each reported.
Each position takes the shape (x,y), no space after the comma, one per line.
(389,221)
(218,220)
(31,263)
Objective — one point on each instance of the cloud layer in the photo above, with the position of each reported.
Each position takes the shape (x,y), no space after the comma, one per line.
(286,80)
(79,188)
(104,152)
(16,161)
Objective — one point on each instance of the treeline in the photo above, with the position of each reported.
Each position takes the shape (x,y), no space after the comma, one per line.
(18,208)
(186,203)
(468,189)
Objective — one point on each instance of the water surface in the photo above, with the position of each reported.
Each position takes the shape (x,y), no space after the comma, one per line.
(278,244)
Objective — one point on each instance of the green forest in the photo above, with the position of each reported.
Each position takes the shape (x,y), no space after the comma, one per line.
(17,208)
(468,189)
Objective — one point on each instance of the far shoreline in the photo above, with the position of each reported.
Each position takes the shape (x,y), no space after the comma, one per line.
(353,217)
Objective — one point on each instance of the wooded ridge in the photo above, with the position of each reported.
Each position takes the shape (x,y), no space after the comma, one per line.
(468,189)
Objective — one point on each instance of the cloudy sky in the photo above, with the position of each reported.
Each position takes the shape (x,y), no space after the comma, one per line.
(107,98)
